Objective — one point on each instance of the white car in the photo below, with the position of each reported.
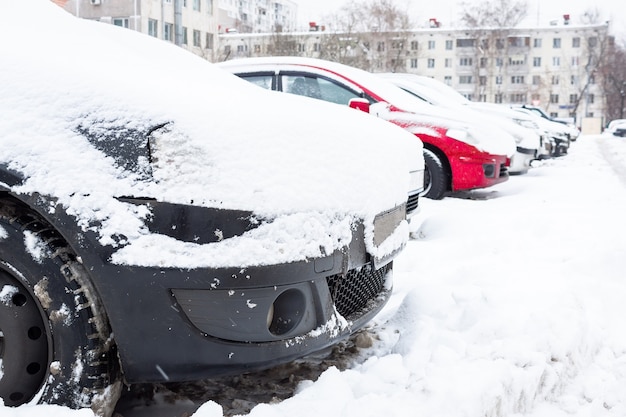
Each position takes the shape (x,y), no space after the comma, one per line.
(528,143)
(616,127)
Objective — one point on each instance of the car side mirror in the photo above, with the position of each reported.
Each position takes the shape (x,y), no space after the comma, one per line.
(359,104)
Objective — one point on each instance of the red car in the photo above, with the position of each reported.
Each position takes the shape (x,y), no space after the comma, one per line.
(458,155)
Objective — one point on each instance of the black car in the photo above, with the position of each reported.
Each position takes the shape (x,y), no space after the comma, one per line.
(156,227)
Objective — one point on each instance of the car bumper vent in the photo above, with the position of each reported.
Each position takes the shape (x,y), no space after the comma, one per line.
(412,203)
(504,170)
(353,292)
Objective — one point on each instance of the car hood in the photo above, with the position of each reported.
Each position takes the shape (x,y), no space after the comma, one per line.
(92,112)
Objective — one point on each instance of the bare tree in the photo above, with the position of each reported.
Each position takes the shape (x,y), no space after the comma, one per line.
(491,22)
(613,73)
(372,35)
(501,14)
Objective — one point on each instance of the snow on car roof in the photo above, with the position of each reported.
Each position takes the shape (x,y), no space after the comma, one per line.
(228,144)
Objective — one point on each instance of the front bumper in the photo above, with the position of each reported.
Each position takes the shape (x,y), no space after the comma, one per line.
(521,160)
(476,169)
(175,324)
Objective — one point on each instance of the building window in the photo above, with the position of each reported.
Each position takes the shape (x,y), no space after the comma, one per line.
(590,98)
(209,41)
(573,80)
(554,98)
(153,28)
(517,79)
(381,47)
(185,41)
(555,80)
(468,96)
(168,32)
(576,42)
(500,44)
(483,62)
(431,44)
(448,80)
(482,80)
(449,45)
(518,98)
(196,38)
(466,79)
(121,21)
(575,61)
(414,45)
(301,47)
(517,60)
(465,43)
(537,61)
(536,79)
(210,7)
(593,42)
(537,43)
(556,61)
(448,63)
(482,98)
(316,47)
(573,98)
(556,43)
(498,98)
(413,63)
(196,5)
(431,62)
(465,62)
(499,62)
(498,79)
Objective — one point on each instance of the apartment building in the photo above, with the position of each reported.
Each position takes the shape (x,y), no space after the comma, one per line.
(553,67)
(261,16)
(190,24)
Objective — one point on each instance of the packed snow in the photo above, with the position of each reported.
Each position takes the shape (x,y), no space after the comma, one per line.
(508,302)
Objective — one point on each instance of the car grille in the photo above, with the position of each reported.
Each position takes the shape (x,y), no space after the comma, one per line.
(412,203)
(352,293)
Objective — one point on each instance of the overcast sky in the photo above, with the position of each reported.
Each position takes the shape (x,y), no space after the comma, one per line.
(446,11)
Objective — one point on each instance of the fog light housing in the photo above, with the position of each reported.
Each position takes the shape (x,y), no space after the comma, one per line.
(286,312)
(489,170)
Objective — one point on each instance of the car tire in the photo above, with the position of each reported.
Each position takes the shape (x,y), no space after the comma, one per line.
(435,176)
(56,346)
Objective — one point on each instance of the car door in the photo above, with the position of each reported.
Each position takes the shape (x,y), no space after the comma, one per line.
(317,86)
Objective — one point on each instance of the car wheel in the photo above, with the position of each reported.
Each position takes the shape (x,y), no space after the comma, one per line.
(435,176)
(55,343)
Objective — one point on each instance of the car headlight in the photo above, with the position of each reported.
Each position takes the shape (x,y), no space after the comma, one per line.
(461,135)
(526,123)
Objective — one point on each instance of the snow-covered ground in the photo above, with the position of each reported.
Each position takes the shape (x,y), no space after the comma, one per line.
(510,302)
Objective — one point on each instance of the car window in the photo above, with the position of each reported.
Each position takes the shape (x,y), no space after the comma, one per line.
(316,87)
(264,81)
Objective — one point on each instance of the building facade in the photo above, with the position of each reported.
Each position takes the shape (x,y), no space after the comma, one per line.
(261,16)
(190,24)
(553,67)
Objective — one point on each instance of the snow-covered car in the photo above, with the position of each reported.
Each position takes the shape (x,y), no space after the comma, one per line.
(573,132)
(616,127)
(528,142)
(162,220)
(459,155)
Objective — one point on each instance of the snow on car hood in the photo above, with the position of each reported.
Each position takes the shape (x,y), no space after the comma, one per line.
(78,97)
